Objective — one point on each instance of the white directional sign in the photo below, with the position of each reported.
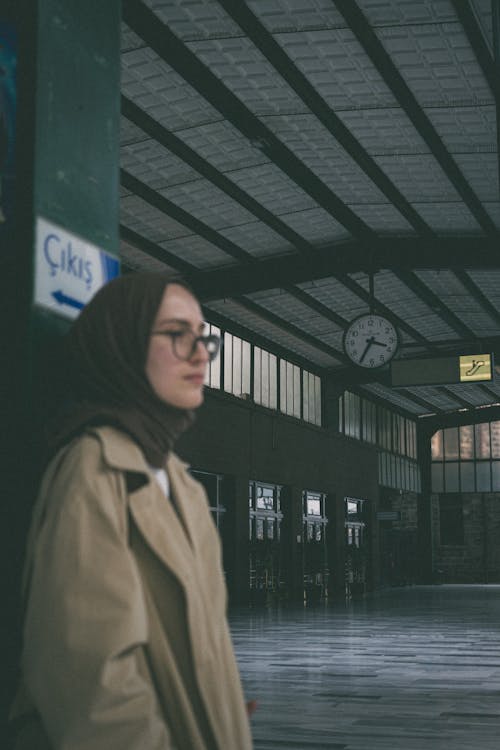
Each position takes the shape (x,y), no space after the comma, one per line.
(68,269)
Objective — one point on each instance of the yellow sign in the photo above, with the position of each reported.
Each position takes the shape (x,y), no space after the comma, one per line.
(475,367)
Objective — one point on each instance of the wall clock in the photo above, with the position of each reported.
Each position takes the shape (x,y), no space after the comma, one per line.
(370,341)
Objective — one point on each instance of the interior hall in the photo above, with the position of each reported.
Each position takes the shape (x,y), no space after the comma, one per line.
(324,174)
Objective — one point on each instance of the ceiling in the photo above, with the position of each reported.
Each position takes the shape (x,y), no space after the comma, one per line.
(279,153)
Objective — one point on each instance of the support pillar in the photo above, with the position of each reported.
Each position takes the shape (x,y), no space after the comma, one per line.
(65,165)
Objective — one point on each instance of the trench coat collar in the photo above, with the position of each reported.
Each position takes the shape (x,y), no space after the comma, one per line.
(122,452)
(156,519)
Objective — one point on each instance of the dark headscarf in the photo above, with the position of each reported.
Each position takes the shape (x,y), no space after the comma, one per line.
(106,350)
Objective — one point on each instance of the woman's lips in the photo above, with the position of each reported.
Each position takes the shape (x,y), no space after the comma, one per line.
(197,379)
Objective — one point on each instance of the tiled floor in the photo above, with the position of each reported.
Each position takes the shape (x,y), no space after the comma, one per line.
(407,669)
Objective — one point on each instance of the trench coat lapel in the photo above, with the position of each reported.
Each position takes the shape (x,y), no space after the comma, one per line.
(153,513)
(162,530)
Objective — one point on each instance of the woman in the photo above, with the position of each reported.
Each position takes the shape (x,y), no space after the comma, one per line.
(126,643)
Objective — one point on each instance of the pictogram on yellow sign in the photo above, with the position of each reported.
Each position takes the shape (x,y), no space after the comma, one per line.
(475,367)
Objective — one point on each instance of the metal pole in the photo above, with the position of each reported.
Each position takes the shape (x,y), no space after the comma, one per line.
(495,13)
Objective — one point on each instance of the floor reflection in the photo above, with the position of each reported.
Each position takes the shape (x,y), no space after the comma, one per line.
(407,669)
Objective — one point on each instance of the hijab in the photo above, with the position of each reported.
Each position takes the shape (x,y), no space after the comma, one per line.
(106,349)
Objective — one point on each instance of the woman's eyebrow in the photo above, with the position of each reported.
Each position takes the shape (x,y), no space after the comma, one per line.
(179,321)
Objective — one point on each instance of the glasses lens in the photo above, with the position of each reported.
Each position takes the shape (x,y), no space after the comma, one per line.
(183,344)
(212,344)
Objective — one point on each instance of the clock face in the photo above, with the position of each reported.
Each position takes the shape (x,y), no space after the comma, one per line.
(370,341)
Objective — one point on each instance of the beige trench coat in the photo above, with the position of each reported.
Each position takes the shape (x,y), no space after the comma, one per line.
(126,643)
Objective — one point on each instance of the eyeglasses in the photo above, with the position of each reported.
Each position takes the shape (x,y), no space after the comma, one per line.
(184,343)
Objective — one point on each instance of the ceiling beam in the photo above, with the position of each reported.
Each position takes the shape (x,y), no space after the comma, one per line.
(489,393)
(144,22)
(387,404)
(187,220)
(428,406)
(276,55)
(422,291)
(349,257)
(480,47)
(314,304)
(176,146)
(478,295)
(458,399)
(291,329)
(490,64)
(381,60)
(456,419)
(156,251)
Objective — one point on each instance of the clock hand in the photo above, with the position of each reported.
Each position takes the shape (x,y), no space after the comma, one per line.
(379,343)
(369,342)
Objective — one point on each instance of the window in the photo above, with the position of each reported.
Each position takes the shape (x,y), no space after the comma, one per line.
(463,458)
(369,418)
(289,388)
(236,365)
(466,442)
(311,397)
(451,444)
(212,376)
(352,407)
(265,378)
(451,520)
(437,450)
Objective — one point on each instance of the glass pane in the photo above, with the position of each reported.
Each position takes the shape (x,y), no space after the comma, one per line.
(228,362)
(265,379)
(451,444)
(413,440)
(257,375)
(246,363)
(313,506)
(392,470)
(402,439)
(296,391)
(305,395)
(437,478)
(311,416)
(482,441)
(495,476)
(495,439)
(467,477)
(236,389)
(466,441)
(265,498)
(451,477)
(341,414)
(437,446)
(483,481)
(273,381)
(283,369)
(317,400)
(259,528)
(289,388)
(395,433)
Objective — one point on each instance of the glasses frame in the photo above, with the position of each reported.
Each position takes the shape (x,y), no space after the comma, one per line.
(211,338)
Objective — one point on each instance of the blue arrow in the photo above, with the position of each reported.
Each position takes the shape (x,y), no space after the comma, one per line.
(64,300)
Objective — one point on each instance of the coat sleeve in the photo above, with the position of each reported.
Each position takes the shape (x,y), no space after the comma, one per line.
(85,626)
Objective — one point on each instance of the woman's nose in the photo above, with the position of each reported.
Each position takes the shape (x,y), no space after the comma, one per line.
(200,351)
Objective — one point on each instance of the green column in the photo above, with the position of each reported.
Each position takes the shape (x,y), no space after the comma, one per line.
(66,171)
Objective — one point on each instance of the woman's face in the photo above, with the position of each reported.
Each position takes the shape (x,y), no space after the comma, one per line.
(177,382)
